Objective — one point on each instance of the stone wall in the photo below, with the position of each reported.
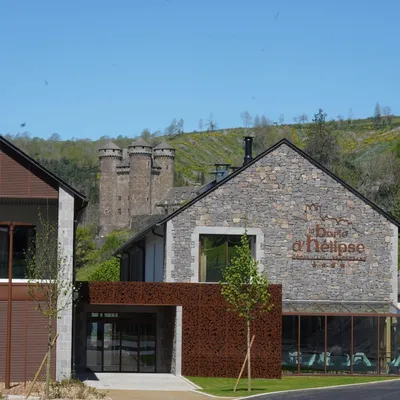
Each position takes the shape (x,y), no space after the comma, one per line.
(66,254)
(294,204)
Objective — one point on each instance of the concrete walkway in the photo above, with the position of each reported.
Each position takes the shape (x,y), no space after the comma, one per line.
(137,381)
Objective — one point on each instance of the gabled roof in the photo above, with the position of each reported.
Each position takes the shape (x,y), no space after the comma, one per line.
(164,146)
(36,168)
(238,171)
(140,143)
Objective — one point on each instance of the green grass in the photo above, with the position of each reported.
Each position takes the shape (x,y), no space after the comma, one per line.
(224,386)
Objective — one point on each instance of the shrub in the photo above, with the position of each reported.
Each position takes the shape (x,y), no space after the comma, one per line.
(106,271)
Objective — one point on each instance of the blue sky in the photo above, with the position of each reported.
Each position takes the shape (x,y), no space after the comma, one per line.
(90,68)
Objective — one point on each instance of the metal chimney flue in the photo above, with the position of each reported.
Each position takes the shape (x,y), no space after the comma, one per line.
(248,149)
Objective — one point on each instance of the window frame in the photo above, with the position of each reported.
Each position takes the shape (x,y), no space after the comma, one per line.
(14,224)
(221,230)
(253,241)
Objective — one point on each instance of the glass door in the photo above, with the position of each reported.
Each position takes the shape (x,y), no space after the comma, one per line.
(147,352)
(111,347)
(129,347)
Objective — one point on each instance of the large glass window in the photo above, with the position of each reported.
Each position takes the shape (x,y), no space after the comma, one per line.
(339,344)
(290,335)
(23,239)
(365,344)
(312,343)
(216,252)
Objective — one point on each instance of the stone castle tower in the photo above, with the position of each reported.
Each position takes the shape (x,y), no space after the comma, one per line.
(137,181)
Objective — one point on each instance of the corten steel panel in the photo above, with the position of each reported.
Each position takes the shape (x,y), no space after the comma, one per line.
(17,181)
(213,339)
(29,341)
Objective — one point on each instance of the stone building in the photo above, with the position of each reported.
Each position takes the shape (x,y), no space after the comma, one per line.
(137,182)
(333,252)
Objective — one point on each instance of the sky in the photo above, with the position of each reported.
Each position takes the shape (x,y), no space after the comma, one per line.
(92,68)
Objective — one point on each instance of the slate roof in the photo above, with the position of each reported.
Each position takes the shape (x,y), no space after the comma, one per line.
(177,195)
(140,142)
(164,146)
(109,145)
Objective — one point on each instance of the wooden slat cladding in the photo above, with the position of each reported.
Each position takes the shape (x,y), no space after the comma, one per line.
(29,341)
(18,181)
(20,291)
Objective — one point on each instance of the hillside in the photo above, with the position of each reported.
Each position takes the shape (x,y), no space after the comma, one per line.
(76,161)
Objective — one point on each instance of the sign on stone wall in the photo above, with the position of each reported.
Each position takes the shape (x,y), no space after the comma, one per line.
(328,241)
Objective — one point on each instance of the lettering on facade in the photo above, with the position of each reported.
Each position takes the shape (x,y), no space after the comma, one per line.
(328,246)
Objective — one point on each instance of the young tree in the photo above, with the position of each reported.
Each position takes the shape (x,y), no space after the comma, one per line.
(245,288)
(49,280)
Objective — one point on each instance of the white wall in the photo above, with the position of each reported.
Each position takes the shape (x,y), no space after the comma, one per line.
(154,263)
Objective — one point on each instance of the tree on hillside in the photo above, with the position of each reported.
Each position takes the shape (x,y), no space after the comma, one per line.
(49,281)
(211,123)
(321,141)
(146,134)
(172,128)
(201,125)
(350,116)
(245,288)
(387,115)
(246,118)
(378,116)
(180,126)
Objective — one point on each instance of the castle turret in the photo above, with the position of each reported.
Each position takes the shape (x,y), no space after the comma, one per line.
(140,153)
(110,156)
(164,155)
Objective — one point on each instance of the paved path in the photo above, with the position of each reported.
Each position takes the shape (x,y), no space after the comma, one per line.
(388,390)
(136,381)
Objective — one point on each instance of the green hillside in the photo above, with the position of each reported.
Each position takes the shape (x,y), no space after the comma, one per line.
(76,161)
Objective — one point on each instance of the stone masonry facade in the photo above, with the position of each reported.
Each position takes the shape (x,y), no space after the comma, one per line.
(314,236)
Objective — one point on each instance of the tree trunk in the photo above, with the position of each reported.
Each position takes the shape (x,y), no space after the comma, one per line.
(48,365)
(248,357)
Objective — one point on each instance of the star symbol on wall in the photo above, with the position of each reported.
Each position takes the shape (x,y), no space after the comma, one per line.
(333,265)
(342,265)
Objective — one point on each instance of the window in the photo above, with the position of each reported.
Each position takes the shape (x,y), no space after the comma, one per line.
(216,252)
(119,198)
(119,211)
(23,239)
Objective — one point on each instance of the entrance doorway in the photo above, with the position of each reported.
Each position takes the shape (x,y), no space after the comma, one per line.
(121,342)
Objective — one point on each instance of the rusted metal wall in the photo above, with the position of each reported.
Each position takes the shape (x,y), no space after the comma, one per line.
(17,181)
(28,336)
(213,339)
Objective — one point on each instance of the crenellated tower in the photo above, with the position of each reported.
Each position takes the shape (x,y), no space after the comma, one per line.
(110,157)
(135,182)
(164,158)
(140,159)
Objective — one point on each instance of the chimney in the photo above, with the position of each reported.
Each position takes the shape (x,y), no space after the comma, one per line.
(248,149)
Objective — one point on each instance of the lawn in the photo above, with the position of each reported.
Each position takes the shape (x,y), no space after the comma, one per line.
(224,386)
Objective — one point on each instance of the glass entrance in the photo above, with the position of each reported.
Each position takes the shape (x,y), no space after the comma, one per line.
(124,342)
